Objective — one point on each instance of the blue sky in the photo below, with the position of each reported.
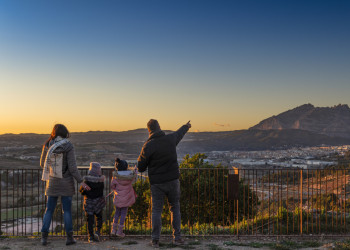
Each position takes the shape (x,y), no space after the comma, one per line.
(115,64)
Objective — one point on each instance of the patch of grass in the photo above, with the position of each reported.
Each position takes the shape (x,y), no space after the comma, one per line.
(213,247)
(256,244)
(342,245)
(311,244)
(131,242)
(290,244)
(12,237)
(5,247)
(16,213)
(230,243)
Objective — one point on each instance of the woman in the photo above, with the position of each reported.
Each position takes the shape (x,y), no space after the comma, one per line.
(59,171)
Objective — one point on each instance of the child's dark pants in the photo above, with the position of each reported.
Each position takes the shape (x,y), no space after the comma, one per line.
(90,218)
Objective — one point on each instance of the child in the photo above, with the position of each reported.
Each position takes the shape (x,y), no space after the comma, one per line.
(94,200)
(124,194)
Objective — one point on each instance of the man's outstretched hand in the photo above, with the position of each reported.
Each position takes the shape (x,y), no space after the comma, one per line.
(188,124)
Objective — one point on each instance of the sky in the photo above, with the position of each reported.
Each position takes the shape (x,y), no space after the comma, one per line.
(223,64)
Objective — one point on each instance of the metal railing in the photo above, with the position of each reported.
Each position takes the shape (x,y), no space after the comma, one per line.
(266,202)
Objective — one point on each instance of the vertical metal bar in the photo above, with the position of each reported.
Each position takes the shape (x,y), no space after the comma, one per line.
(333,201)
(192,199)
(244,196)
(338,198)
(38,189)
(345,184)
(320,207)
(312,201)
(308,203)
(205,197)
(190,205)
(7,194)
(13,203)
(287,171)
(248,187)
(229,210)
(77,208)
(301,202)
(1,198)
(280,200)
(217,200)
(273,202)
(25,202)
(262,201)
(223,198)
(324,200)
(269,203)
(198,177)
(32,203)
(16,205)
(294,189)
(237,218)
(256,200)
(209,191)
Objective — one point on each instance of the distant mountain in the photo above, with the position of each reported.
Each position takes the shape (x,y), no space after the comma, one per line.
(331,121)
(256,140)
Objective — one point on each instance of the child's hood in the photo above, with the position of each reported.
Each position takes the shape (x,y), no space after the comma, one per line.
(123,177)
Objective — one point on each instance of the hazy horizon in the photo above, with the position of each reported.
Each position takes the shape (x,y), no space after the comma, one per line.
(113,65)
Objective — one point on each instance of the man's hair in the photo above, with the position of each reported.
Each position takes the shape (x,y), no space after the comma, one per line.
(153,125)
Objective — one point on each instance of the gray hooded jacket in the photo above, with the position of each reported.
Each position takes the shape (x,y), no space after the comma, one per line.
(62,186)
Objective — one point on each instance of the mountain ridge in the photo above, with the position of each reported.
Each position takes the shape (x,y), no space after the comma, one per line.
(332,121)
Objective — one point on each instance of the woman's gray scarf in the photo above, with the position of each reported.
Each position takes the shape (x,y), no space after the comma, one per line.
(53,169)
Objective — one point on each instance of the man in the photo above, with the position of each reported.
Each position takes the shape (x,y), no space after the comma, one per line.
(159,155)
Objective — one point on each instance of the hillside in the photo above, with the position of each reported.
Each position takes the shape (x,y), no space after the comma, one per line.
(331,121)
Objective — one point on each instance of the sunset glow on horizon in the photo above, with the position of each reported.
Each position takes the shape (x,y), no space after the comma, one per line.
(113,65)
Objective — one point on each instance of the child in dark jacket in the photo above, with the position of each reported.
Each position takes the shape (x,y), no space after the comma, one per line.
(94,200)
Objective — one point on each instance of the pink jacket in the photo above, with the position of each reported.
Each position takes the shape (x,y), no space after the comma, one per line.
(124,194)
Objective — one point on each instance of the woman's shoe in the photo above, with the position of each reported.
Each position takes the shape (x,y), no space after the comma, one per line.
(44,238)
(70,239)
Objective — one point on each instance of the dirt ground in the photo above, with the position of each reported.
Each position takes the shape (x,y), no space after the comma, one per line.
(142,243)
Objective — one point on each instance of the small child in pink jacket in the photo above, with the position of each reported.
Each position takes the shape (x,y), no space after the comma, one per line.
(124,194)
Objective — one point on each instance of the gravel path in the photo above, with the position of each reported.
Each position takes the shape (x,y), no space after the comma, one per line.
(142,243)
(134,243)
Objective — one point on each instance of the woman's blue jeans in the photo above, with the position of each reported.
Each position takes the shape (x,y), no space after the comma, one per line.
(67,213)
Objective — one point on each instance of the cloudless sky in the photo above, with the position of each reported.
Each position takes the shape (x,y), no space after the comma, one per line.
(223,64)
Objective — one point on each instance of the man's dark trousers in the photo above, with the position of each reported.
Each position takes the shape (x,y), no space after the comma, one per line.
(171,190)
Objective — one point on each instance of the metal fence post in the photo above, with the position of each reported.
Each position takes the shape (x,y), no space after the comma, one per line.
(301,202)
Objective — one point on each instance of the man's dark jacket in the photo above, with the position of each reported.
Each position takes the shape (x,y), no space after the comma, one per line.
(159,155)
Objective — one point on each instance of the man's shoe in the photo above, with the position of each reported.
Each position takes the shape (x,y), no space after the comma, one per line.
(179,242)
(155,243)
